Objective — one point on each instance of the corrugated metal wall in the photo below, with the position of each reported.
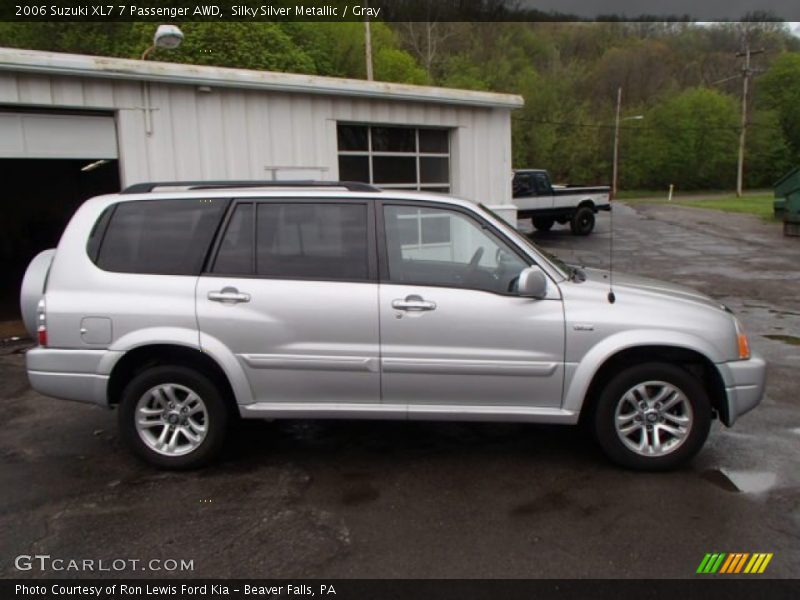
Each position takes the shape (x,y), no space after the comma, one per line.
(228,133)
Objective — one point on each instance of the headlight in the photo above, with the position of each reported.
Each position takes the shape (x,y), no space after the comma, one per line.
(741,340)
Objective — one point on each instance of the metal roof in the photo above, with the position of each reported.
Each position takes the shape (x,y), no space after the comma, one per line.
(79,65)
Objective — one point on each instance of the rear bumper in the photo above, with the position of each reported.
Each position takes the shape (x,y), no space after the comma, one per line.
(603,207)
(745,383)
(80,375)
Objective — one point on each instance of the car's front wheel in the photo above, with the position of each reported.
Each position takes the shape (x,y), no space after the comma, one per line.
(173,416)
(652,416)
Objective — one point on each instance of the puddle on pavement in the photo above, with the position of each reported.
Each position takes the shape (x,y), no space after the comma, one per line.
(719,479)
(786,339)
(748,482)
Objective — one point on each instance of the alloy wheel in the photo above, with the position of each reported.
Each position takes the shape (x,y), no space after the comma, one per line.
(171,419)
(653,418)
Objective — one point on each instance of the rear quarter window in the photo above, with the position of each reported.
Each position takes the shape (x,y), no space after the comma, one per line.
(160,237)
(96,235)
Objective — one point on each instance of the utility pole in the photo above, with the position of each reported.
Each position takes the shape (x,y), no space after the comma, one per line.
(368,47)
(746,74)
(616,144)
(617,121)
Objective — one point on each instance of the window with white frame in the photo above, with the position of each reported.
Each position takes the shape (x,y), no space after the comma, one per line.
(413,158)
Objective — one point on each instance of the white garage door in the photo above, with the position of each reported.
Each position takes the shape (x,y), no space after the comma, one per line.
(38,135)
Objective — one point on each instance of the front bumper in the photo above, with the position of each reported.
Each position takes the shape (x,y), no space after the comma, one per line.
(80,375)
(745,383)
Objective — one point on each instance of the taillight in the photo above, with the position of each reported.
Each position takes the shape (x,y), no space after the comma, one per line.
(41,320)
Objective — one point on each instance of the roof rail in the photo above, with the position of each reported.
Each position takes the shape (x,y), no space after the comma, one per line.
(147,187)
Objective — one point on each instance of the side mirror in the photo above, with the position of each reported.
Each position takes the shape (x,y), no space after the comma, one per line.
(532,283)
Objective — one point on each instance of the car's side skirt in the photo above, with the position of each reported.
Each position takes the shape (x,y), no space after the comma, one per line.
(412,412)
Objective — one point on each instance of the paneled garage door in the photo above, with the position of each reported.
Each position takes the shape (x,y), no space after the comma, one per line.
(46,135)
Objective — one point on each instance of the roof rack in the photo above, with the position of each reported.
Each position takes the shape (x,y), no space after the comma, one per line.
(147,187)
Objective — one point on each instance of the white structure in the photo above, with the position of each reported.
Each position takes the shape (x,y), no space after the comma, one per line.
(166,121)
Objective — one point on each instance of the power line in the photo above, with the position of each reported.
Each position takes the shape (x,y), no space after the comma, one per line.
(643,127)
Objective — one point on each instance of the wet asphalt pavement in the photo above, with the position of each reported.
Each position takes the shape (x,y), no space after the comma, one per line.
(389,499)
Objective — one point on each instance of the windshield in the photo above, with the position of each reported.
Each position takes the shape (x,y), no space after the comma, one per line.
(565,270)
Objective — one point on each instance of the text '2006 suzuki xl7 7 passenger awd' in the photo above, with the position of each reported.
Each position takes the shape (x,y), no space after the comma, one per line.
(186,309)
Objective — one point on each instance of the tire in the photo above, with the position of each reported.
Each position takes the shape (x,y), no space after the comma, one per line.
(197,433)
(582,222)
(543,223)
(690,405)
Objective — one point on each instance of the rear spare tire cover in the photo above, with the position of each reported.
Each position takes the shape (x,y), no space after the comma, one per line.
(33,288)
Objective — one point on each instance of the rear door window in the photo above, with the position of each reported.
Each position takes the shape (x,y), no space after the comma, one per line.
(236,254)
(161,237)
(303,240)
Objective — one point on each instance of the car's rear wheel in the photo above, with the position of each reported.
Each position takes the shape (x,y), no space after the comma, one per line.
(653,416)
(582,222)
(543,224)
(173,417)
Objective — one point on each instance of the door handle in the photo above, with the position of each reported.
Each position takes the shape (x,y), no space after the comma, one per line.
(228,295)
(413,303)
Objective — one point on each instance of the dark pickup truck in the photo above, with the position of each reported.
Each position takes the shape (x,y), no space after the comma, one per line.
(545,204)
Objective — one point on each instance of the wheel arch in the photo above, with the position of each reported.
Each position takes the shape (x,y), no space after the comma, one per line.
(692,360)
(141,357)
(588,202)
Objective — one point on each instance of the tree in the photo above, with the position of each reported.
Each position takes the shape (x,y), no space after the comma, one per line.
(689,140)
(768,155)
(779,89)
(393,64)
(335,49)
(426,41)
(643,68)
(261,46)
(126,40)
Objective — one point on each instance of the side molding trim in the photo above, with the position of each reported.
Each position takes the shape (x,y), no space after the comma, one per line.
(418,412)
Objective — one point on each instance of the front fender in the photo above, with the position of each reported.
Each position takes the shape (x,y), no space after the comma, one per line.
(577,384)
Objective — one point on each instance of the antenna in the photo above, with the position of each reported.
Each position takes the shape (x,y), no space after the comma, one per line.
(611,297)
(613,192)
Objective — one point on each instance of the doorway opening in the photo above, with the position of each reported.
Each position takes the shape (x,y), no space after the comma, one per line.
(40,197)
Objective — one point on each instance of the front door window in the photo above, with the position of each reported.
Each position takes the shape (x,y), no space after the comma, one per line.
(431,246)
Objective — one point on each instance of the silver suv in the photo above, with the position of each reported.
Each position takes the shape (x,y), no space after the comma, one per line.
(187,309)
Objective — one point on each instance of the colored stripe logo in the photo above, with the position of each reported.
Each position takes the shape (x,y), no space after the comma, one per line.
(734,562)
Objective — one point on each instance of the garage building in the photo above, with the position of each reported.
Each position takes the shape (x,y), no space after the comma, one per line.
(73,126)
